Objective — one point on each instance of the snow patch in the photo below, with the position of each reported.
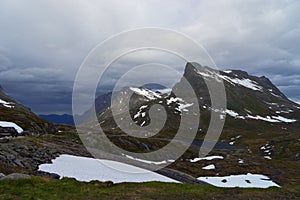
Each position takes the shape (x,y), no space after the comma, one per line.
(148,161)
(206,158)
(283,119)
(234,114)
(267,150)
(146,93)
(88,169)
(243,82)
(267,157)
(257,117)
(140,113)
(11,124)
(6,104)
(182,105)
(209,167)
(244,181)
(271,119)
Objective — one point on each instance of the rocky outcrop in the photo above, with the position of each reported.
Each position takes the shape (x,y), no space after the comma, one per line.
(27,153)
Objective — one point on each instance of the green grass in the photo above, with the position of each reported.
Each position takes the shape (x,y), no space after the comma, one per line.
(44,188)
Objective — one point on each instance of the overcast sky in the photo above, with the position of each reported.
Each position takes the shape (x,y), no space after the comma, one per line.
(43,43)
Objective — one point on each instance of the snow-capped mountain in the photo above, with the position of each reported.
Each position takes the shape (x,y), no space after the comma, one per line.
(261,124)
(249,98)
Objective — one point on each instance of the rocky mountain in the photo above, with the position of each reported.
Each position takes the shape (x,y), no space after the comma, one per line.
(250,99)
(13,111)
(261,125)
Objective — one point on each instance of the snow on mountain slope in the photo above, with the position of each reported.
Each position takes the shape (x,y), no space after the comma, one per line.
(206,158)
(273,119)
(11,124)
(6,104)
(181,105)
(145,92)
(209,167)
(245,82)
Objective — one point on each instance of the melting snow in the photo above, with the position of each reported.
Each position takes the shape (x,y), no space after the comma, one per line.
(209,167)
(267,157)
(148,161)
(233,139)
(206,158)
(275,95)
(182,105)
(234,114)
(145,92)
(283,119)
(11,124)
(257,117)
(88,169)
(267,151)
(243,82)
(6,104)
(143,114)
(244,180)
(143,123)
(173,100)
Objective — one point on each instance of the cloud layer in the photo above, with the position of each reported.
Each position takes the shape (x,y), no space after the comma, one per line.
(43,43)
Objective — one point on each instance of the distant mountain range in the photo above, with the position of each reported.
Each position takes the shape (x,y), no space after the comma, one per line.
(59,119)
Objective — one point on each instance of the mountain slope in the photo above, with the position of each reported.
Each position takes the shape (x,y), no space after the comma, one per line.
(13,111)
(250,99)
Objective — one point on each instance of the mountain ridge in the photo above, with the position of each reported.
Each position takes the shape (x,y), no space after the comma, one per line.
(13,111)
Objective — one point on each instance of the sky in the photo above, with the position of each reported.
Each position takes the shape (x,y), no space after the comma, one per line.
(43,43)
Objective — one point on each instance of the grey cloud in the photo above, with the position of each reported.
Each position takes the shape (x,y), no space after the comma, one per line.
(43,43)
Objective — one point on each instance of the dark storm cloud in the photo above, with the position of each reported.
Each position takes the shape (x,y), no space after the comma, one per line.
(43,43)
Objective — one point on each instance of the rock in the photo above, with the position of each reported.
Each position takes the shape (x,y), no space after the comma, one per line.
(18,163)
(2,175)
(16,176)
(53,175)
(11,157)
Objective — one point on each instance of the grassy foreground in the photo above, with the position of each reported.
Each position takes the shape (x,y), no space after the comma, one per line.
(45,188)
